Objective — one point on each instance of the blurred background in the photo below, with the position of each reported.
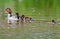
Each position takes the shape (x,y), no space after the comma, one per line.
(37,9)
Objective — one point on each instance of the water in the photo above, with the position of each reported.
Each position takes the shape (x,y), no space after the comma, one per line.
(34,30)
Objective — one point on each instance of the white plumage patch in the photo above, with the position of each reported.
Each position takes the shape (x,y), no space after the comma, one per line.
(11,19)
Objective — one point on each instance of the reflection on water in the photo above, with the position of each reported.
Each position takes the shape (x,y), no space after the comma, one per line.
(35,30)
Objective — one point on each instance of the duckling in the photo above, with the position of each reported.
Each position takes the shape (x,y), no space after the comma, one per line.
(53,22)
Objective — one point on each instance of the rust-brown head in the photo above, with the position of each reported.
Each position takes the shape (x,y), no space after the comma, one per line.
(8,10)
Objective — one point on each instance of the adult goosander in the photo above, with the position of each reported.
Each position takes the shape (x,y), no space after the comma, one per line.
(10,17)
